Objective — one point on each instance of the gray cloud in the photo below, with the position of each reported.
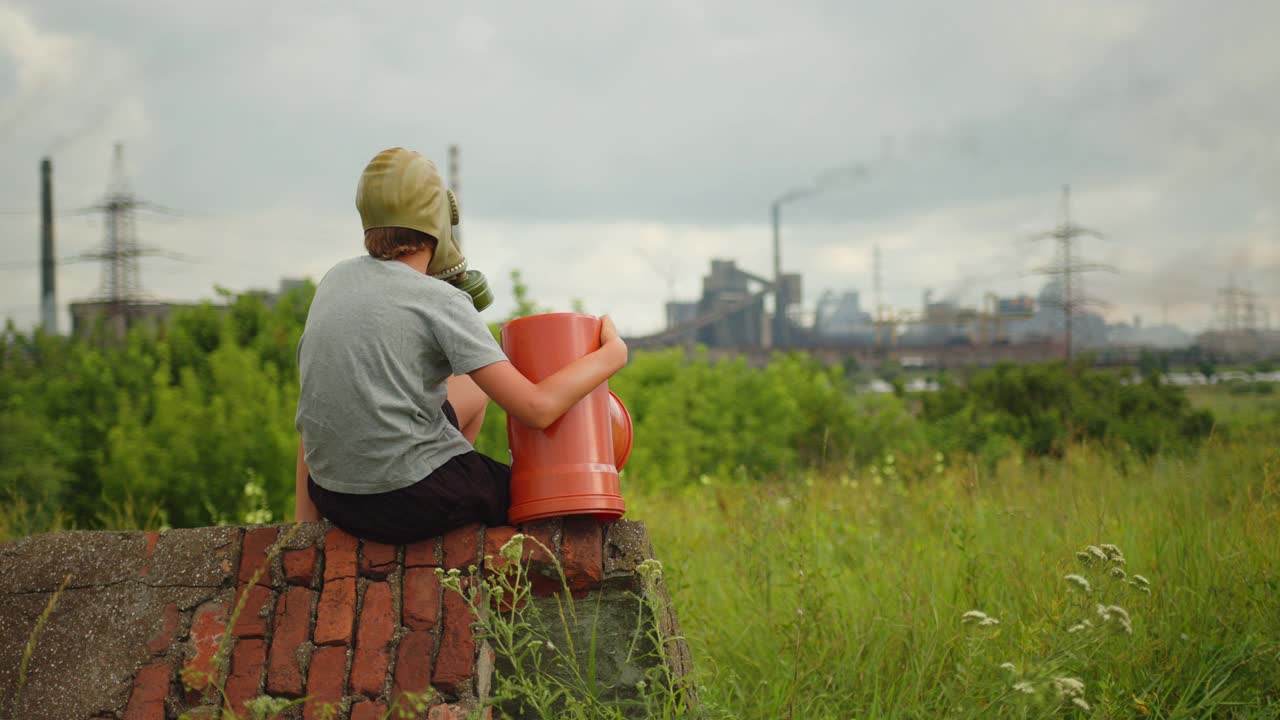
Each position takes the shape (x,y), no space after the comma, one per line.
(590,129)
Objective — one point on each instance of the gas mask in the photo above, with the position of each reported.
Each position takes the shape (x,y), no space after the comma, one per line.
(401,188)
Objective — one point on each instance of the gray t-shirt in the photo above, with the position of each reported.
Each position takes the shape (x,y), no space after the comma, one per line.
(379,343)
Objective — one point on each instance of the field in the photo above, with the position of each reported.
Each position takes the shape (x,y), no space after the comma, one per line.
(1029,541)
(837,596)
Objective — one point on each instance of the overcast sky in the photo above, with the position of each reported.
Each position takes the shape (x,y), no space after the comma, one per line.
(610,150)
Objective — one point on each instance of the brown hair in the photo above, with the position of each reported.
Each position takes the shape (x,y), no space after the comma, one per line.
(389,243)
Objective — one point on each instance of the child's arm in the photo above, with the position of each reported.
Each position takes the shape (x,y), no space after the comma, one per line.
(303,509)
(542,404)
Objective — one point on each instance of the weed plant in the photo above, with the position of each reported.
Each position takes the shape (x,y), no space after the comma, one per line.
(546,669)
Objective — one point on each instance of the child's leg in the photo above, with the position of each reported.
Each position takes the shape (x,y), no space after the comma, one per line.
(469,402)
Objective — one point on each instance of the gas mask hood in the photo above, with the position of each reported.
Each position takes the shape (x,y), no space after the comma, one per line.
(401,188)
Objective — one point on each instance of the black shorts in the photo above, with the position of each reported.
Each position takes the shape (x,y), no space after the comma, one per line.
(467,488)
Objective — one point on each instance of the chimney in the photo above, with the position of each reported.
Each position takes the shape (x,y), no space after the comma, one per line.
(48,278)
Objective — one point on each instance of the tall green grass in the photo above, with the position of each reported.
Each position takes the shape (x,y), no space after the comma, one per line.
(841,595)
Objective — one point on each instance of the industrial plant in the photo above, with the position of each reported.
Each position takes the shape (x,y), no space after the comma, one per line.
(740,312)
(745,313)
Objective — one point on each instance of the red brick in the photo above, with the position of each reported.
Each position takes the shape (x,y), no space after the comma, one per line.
(339,555)
(207,626)
(424,553)
(252,621)
(544,579)
(150,686)
(377,625)
(377,560)
(337,612)
(152,539)
(583,550)
(253,554)
(421,598)
(247,660)
(457,646)
(325,680)
(300,566)
(494,539)
(368,710)
(292,627)
(168,622)
(462,546)
(545,585)
(413,663)
(544,531)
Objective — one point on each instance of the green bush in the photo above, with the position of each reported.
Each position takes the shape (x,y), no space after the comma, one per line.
(1045,408)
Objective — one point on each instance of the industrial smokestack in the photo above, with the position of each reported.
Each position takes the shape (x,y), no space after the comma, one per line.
(48,277)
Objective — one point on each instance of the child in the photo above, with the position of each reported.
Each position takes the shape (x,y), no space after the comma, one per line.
(397,367)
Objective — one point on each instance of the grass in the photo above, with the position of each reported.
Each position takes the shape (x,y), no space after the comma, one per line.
(29,649)
(836,596)
(1239,406)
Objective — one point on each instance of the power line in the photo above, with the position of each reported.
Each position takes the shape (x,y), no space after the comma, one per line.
(1068,269)
(120,292)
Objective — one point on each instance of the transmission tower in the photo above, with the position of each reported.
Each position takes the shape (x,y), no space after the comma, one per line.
(877,311)
(1068,269)
(1237,309)
(120,292)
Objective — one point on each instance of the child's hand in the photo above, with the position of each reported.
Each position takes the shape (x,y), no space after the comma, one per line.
(609,338)
(608,333)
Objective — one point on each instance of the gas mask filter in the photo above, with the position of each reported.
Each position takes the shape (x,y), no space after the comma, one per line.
(401,188)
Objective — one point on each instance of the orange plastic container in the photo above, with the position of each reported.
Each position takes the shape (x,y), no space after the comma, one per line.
(570,468)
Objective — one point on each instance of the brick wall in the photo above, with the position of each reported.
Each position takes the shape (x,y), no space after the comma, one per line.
(324,616)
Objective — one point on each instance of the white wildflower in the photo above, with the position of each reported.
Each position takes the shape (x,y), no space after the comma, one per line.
(1080,703)
(974,616)
(1079,626)
(650,570)
(267,706)
(1112,551)
(1117,613)
(1084,557)
(1008,666)
(1024,687)
(1096,551)
(1118,573)
(988,621)
(1141,580)
(1079,582)
(1068,687)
